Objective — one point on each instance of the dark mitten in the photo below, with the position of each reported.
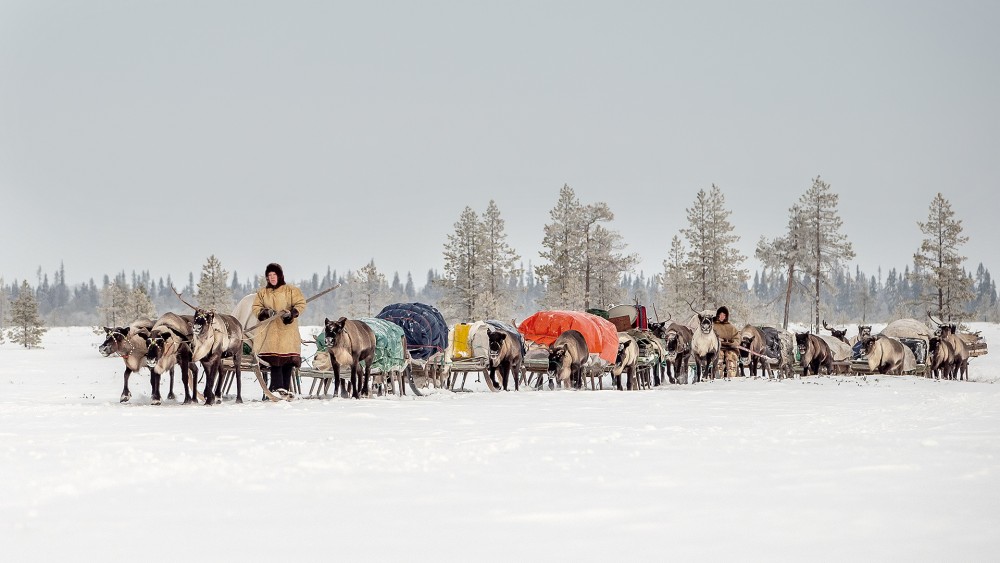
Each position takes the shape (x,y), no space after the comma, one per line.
(265,313)
(295,313)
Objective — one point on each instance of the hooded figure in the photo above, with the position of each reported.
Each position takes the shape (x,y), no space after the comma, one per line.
(281,343)
(728,334)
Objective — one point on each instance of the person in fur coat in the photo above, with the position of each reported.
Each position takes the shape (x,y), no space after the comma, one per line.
(728,353)
(281,345)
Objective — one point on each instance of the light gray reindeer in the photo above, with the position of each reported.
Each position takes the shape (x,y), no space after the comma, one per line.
(704,346)
(129,343)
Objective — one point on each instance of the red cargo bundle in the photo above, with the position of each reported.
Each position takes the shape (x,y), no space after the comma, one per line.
(545,326)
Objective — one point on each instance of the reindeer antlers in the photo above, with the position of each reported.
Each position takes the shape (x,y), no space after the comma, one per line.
(182,299)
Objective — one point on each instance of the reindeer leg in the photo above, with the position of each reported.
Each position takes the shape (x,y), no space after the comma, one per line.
(237,360)
(171,395)
(126,394)
(154,382)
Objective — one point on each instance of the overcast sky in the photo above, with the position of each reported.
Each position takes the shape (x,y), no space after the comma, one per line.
(141,135)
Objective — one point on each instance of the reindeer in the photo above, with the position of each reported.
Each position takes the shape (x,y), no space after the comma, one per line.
(705,346)
(567,357)
(129,343)
(169,343)
(753,350)
(885,354)
(350,342)
(864,331)
(677,339)
(505,354)
(949,333)
(943,361)
(625,361)
(214,337)
(840,335)
(814,352)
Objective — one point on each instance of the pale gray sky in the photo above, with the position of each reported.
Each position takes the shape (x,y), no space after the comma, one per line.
(148,135)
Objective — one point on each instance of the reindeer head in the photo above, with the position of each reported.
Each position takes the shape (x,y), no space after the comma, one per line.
(659,330)
(202,321)
(497,339)
(556,358)
(863,331)
(334,330)
(155,345)
(868,344)
(622,351)
(114,338)
(802,341)
(838,334)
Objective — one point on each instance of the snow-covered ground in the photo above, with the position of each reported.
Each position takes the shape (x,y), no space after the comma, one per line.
(821,468)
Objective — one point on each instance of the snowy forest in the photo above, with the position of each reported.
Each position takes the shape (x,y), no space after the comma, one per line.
(806,275)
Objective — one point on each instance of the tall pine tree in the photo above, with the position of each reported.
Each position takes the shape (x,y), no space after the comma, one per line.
(938,264)
(826,248)
(713,261)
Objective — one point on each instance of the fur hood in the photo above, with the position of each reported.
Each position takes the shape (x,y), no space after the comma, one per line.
(721,310)
(276,268)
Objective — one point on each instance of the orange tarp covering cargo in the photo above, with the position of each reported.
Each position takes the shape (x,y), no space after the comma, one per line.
(545,326)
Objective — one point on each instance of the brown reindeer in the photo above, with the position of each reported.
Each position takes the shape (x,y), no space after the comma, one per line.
(678,343)
(169,344)
(350,342)
(625,361)
(753,350)
(840,335)
(129,343)
(567,357)
(885,354)
(949,333)
(813,352)
(943,362)
(214,337)
(506,355)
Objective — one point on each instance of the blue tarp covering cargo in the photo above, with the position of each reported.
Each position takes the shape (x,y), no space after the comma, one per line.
(423,325)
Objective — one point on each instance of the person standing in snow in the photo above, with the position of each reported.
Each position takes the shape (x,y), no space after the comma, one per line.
(281,345)
(728,352)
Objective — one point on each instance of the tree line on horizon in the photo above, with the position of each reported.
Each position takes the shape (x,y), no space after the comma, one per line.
(585,264)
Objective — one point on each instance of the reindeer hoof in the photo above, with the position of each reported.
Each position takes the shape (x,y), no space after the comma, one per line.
(239,400)
(172,397)
(155,402)
(125,398)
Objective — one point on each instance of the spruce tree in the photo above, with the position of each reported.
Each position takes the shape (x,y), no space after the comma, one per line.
(499,266)
(938,273)
(213,289)
(27,326)
(463,281)
(826,248)
(563,252)
(713,260)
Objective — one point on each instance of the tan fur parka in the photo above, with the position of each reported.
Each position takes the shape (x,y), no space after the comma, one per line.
(278,340)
